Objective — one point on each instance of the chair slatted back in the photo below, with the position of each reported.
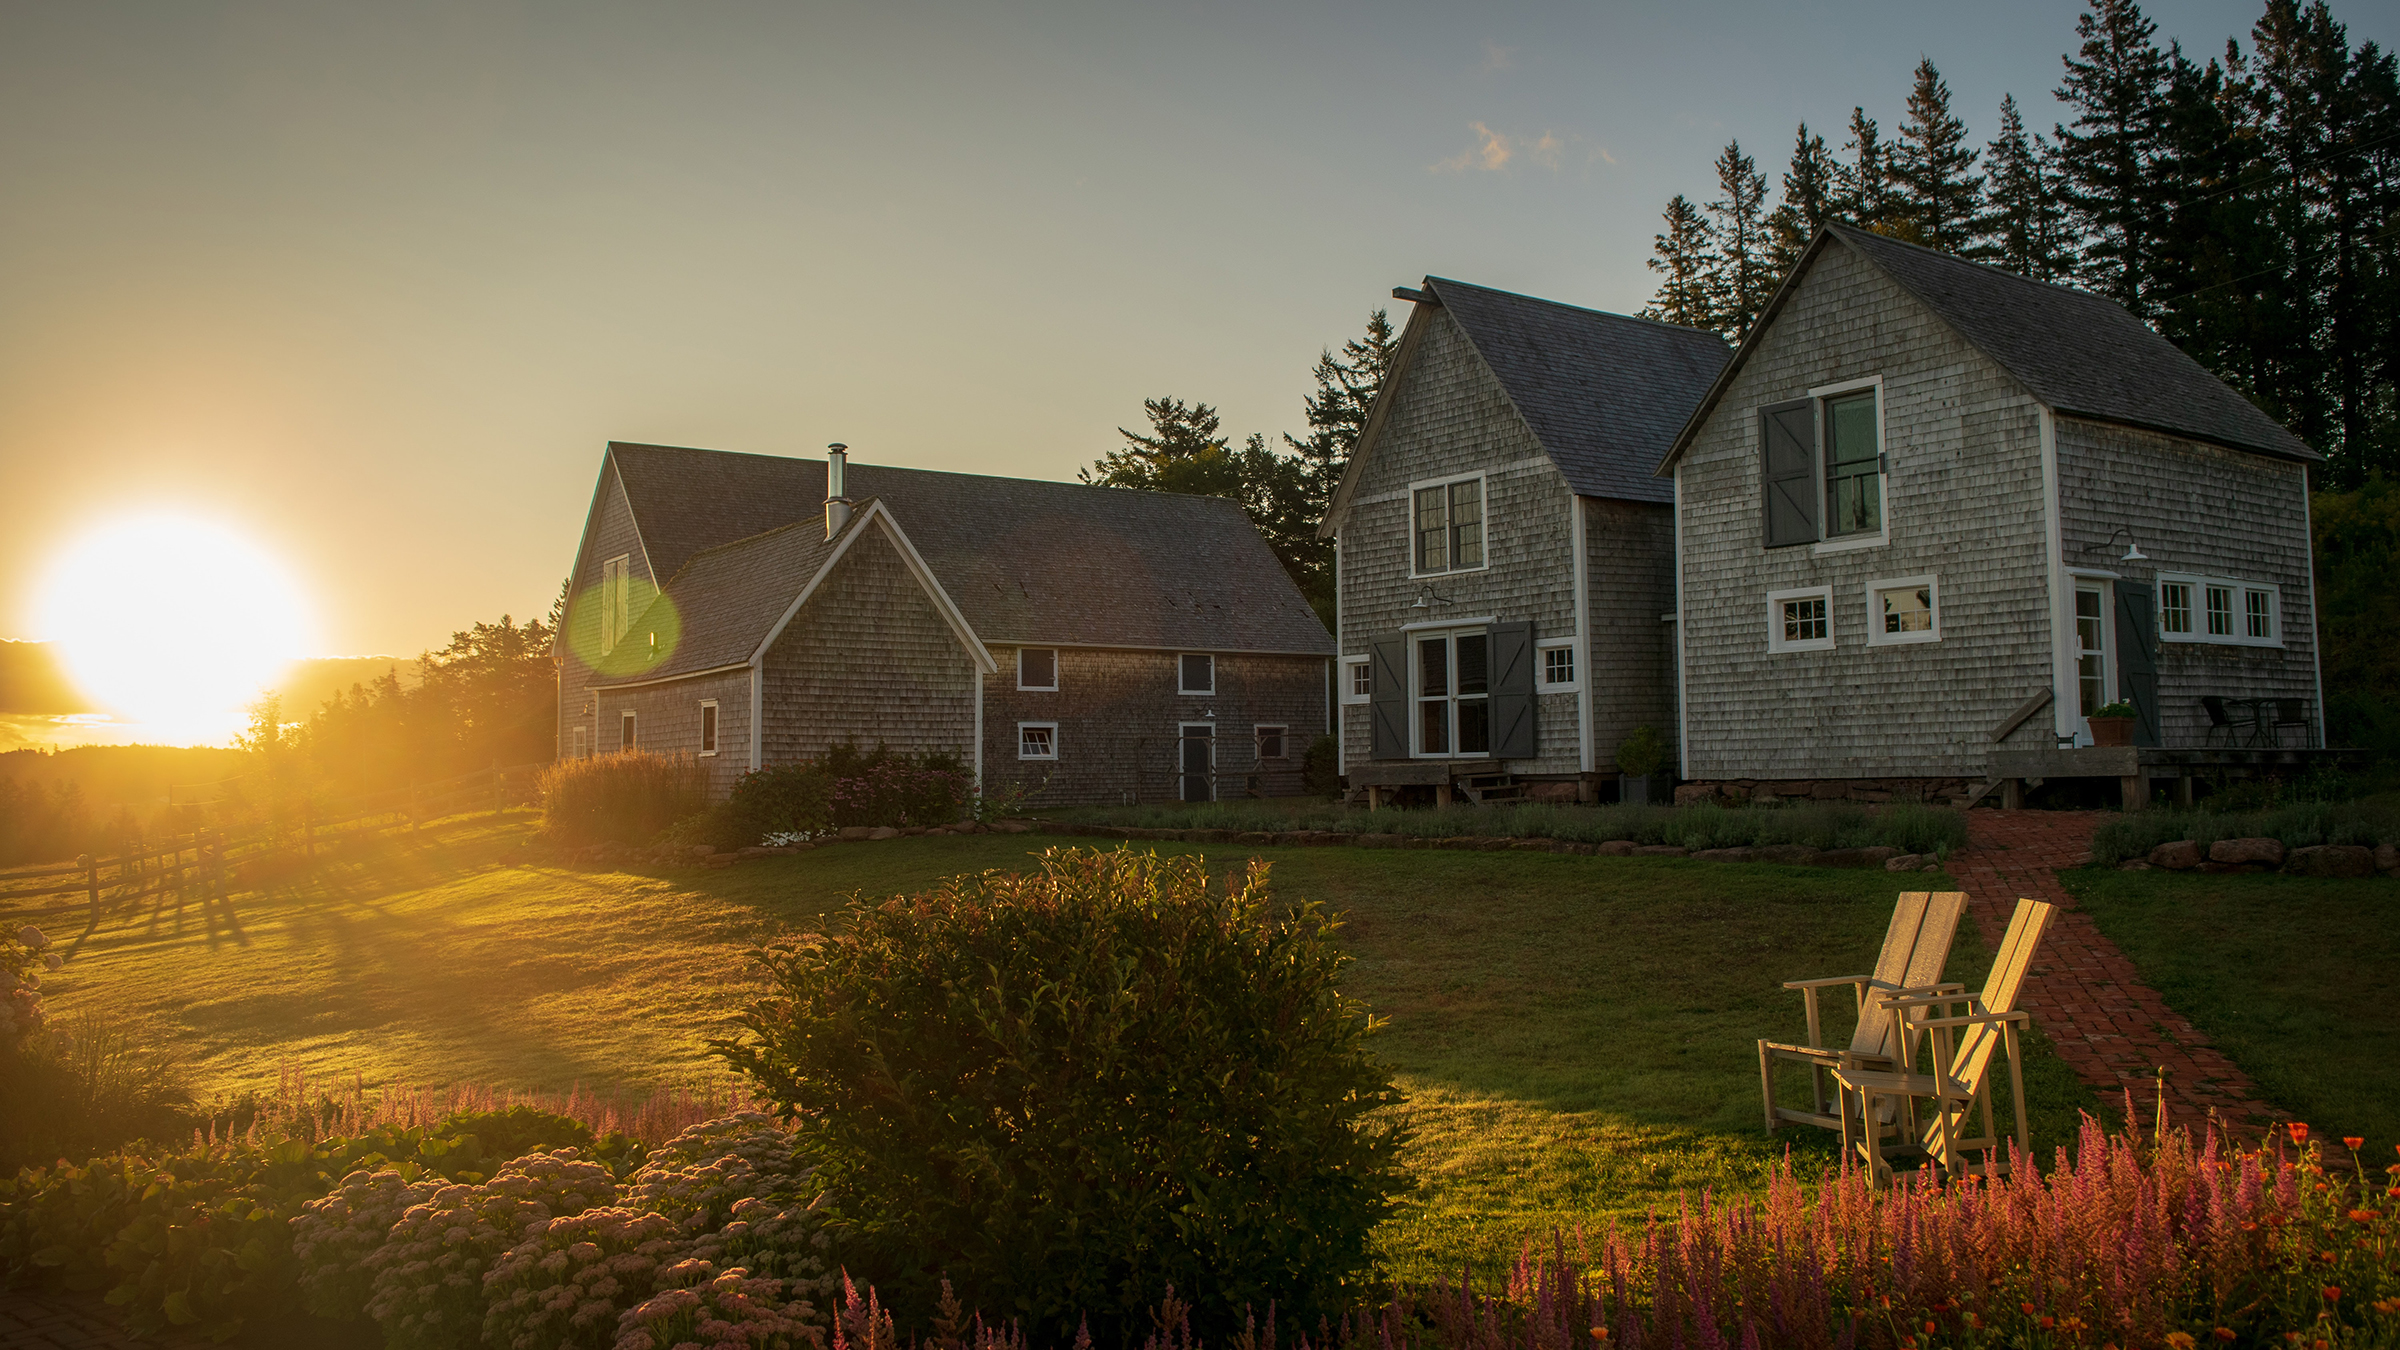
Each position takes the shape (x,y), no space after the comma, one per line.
(1976,1044)
(1915,948)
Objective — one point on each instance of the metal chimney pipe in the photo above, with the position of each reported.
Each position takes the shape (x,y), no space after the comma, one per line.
(837,490)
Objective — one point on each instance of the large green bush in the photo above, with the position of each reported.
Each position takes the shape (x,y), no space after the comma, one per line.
(1069,1089)
(624,798)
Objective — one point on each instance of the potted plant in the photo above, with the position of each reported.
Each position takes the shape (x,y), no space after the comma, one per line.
(1641,755)
(2113,724)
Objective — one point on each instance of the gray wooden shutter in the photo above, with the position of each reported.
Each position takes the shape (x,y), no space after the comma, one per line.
(1512,692)
(1387,701)
(1787,471)
(2137,659)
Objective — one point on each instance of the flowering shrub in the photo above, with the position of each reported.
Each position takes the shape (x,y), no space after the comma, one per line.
(1071,1088)
(333,1237)
(23,955)
(884,788)
(572,1278)
(428,1274)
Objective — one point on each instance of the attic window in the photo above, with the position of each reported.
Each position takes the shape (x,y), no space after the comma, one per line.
(1446,526)
(1037,668)
(616,601)
(1197,674)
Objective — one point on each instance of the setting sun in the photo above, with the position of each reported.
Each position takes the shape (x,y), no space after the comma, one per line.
(173,622)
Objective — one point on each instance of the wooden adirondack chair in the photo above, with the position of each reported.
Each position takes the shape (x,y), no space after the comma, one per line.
(1940,1104)
(1915,948)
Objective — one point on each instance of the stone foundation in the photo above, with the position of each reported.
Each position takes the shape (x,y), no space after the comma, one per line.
(1767,791)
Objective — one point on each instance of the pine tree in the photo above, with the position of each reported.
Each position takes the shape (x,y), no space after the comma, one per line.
(1183,452)
(1741,277)
(1863,187)
(1347,387)
(1933,168)
(1680,256)
(2023,225)
(1809,186)
(2116,84)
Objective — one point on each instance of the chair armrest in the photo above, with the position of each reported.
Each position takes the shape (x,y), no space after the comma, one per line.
(1829,982)
(1928,996)
(1977,1019)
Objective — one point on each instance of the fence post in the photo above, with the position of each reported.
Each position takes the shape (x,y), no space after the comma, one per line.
(91,886)
(499,790)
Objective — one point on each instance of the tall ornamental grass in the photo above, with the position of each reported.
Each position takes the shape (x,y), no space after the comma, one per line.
(1908,826)
(624,798)
(2368,821)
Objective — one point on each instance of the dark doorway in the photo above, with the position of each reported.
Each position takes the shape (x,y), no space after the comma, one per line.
(1197,761)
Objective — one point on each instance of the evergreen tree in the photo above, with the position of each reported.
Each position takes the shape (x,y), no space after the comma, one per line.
(1933,169)
(1184,452)
(2023,227)
(1863,187)
(1680,255)
(1809,187)
(2116,83)
(1741,276)
(1347,387)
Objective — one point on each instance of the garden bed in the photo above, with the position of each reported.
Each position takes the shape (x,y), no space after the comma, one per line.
(2264,840)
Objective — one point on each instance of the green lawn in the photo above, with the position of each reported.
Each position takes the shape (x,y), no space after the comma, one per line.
(1574,1034)
(2294,978)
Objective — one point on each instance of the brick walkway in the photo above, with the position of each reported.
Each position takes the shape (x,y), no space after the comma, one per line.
(2112,1029)
(60,1322)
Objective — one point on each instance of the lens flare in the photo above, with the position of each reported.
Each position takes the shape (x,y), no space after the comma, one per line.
(173,622)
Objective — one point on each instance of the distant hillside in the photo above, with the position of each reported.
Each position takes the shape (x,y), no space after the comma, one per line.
(32,683)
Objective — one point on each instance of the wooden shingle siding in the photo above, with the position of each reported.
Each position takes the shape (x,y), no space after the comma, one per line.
(612,536)
(668,722)
(868,659)
(1963,503)
(1450,416)
(2195,508)
(1629,549)
(1118,714)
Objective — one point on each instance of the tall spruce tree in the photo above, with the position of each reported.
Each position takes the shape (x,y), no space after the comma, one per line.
(1347,386)
(2023,227)
(1680,255)
(1185,452)
(1933,169)
(2116,84)
(1809,187)
(1863,186)
(1741,275)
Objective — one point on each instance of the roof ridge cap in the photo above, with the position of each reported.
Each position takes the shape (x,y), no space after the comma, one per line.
(1580,309)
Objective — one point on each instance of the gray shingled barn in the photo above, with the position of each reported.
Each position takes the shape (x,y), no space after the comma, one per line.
(1932,516)
(1095,644)
(1504,551)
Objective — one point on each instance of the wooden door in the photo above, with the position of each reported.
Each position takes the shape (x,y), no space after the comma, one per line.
(1197,762)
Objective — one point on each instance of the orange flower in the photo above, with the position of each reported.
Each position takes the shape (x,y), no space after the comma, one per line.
(2332,1293)
(2354,1142)
(1929,1328)
(2299,1129)
(2048,1322)
(2223,1333)
(2028,1308)
(1599,1333)
(2362,1216)
(2180,1340)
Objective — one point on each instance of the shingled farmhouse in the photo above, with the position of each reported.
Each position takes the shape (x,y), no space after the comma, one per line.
(1505,555)
(1088,644)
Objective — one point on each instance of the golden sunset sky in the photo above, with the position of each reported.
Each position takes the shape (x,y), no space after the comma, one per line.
(371,285)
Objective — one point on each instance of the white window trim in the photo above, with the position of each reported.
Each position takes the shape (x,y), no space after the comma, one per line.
(1415,675)
(629,721)
(616,601)
(1211,690)
(580,752)
(1883,481)
(1283,727)
(707,750)
(1349,665)
(1876,637)
(1050,688)
(1052,727)
(1541,672)
(1482,476)
(2240,637)
(1775,599)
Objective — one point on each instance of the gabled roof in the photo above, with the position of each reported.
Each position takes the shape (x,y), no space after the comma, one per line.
(1604,393)
(1025,561)
(2079,354)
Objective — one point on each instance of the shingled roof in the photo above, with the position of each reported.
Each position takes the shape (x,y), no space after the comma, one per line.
(1604,393)
(2080,354)
(1025,560)
(738,591)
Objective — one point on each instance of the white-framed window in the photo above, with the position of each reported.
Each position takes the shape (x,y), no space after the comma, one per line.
(1273,741)
(1852,423)
(1800,620)
(1446,526)
(1037,740)
(1037,669)
(1902,610)
(708,726)
(616,601)
(1195,673)
(2092,683)
(1557,671)
(1358,679)
(625,730)
(1453,675)
(2223,610)
(583,748)
(1823,468)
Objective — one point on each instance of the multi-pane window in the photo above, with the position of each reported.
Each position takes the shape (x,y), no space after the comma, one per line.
(2174,607)
(1804,620)
(1362,681)
(1907,609)
(2231,611)
(1903,610)
(1853,466)
(1800,620)
(1449,526)
(1558,665)
(1037,668)
(708,727)
(2220,611)
(1454,695)
(1037,740)
(582,748)
(2091,651)
(1198,673)
(1270,742)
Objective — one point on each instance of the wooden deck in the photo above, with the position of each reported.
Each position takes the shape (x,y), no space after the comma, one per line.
(2136,766)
